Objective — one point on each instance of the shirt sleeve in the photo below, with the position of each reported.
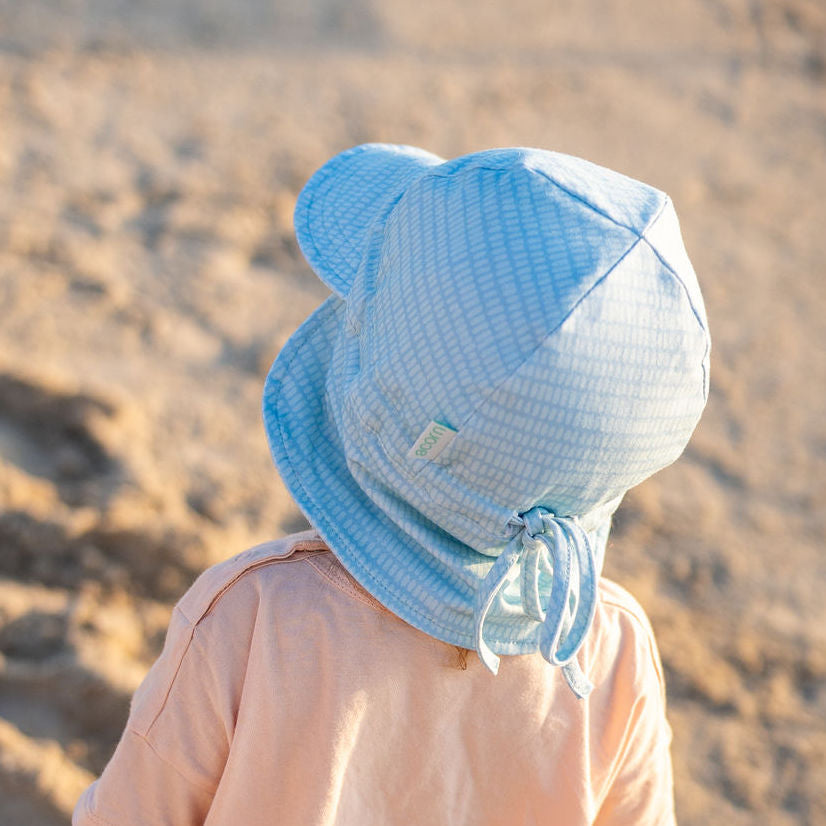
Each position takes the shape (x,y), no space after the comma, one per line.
(139,786)
(168,763)
(642,790)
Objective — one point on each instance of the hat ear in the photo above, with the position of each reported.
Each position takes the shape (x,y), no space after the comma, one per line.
(340,202)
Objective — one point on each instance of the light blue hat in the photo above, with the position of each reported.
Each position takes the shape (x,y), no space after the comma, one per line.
(515,338)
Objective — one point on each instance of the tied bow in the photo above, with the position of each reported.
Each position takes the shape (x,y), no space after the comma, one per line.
(558,546)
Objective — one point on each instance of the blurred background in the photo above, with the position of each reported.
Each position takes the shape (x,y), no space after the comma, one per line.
(150,155)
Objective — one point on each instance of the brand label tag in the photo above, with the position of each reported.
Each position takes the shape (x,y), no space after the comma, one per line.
(432,441)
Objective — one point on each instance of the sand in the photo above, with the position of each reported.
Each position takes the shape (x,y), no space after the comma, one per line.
(150,156)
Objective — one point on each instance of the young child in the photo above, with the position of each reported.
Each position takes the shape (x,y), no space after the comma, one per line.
(515,338)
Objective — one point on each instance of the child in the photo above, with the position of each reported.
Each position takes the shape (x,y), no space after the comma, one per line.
(514,339)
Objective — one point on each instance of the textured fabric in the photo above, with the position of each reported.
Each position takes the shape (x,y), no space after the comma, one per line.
(540,308)
(286,694)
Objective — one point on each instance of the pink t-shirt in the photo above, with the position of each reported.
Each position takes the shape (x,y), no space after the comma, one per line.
(285,694)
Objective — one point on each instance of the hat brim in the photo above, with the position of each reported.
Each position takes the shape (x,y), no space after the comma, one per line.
(339,203)
(434,595)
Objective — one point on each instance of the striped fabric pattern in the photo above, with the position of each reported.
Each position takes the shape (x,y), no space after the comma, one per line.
(540,306)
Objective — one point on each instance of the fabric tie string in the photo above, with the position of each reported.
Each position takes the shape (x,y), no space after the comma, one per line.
(559,547)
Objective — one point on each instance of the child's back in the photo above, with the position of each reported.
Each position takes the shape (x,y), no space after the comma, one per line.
(287,694)
(514,339)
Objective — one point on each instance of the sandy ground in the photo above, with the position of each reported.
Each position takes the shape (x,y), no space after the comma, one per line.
(150,156)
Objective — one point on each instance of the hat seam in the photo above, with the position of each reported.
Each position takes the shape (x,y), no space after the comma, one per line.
(571,310)
(671,269)
(603,213)
(548,177)
(490,393)
(681,282)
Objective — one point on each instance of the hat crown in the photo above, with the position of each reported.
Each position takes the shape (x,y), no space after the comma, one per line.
(513,296)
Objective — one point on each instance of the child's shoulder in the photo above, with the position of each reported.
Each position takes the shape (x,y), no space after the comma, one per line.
(623,631)
(616,600)
(215,581)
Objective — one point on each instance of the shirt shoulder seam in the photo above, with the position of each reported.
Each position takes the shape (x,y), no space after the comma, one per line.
(297,555)
(299,550)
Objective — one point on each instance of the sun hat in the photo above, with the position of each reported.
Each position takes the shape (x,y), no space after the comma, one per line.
(514,338)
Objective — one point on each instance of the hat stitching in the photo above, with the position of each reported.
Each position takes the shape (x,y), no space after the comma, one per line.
(671,269)
(520,163)
(694,310)
(550,333)
(577,197)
